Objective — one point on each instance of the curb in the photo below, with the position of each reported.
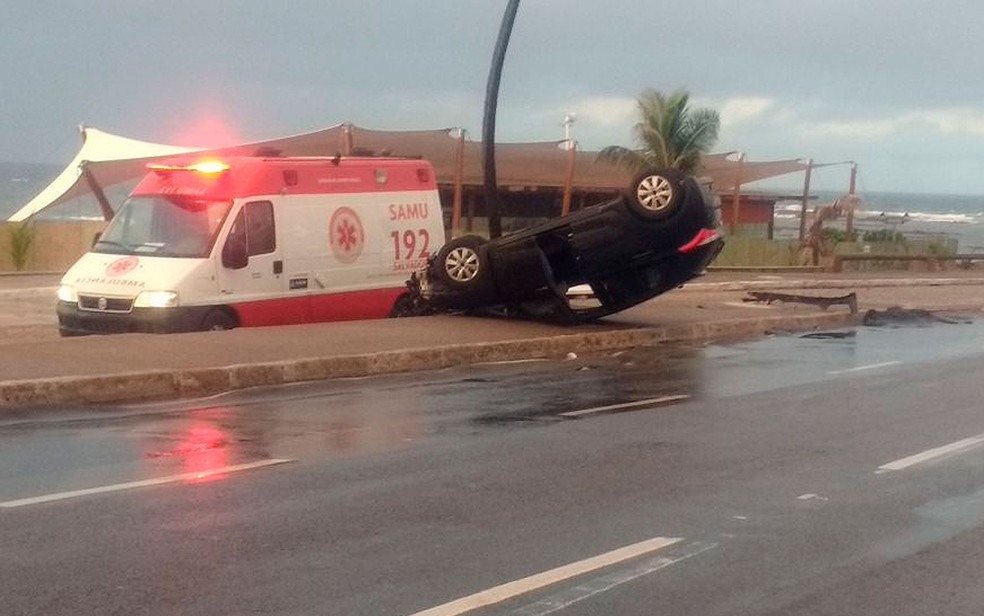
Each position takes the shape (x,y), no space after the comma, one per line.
(764,285)
(165,384)
(734,285)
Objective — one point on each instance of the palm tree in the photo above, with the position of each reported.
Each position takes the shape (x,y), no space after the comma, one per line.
(669,134)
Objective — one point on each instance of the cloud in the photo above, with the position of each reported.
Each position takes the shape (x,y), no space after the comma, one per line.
(962,121)
(957,121)
(607,112)
(743,110)
(853,129)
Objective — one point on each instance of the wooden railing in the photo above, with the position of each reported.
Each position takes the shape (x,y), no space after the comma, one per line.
(932,261)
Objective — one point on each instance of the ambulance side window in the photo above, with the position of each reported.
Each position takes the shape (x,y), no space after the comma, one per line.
(261,235)
(234,253)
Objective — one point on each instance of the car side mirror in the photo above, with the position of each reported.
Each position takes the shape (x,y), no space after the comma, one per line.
(234,254)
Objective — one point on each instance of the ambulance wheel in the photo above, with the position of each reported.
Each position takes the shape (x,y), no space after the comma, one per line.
(655,194)
(218,319)
(461,263)
(408,305)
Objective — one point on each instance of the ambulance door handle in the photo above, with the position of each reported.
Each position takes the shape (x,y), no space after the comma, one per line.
(278,267)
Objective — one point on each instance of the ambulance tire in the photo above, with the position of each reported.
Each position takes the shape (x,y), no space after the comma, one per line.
(655,194)
(410,305)
(462,265)
(218,319)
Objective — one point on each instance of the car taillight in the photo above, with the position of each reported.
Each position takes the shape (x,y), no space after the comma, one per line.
(703,238)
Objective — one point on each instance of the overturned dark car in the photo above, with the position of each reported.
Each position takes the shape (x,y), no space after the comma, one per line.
(661,232)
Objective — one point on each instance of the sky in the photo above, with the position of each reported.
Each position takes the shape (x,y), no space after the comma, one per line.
(895,85)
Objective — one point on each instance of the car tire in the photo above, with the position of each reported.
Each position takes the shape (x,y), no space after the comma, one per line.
(655,194)
(461,263)
(218,319)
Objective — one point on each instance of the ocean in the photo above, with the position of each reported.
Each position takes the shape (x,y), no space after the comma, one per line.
(959,217)
(914,215)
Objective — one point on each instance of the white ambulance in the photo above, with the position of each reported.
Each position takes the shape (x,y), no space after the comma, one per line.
(249,241)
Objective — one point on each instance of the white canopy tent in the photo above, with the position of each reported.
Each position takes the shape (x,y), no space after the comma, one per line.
(129,158)
(106,160)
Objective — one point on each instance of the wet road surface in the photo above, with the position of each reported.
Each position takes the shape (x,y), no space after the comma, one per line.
(829,474)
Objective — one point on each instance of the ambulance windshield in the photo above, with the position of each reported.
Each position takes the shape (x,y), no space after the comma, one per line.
(164,226)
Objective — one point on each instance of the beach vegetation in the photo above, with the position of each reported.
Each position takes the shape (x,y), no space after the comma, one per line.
(836,236)
(939,247)
(669,134)
(21,238)
(884,235)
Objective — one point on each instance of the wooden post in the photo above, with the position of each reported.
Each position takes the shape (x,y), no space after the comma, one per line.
(736,195)
(565,207)
(348,141)
(459,171)
(850,191)
(806,199)
(97,191)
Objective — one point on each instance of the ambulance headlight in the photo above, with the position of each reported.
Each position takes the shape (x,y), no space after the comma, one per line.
(66,293)
(156,299)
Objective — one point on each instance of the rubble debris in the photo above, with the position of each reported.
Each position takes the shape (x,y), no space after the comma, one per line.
(896,315)
(850,300)
(830,335)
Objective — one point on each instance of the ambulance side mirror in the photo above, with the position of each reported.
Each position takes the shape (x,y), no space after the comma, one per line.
(234,255)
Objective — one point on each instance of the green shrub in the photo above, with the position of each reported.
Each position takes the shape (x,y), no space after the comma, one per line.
(883,235)
(835,236)
(21,239)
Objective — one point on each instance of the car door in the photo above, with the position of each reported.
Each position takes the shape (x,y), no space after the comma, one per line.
(255,285)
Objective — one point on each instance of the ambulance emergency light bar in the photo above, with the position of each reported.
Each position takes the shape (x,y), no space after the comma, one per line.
(207,167)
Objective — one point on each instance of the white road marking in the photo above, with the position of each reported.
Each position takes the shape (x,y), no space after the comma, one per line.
(605,583)
(522,586)
(885,364)
(626,405)
(931,454)
(509,362)
(30,291)
(47,498)
(750,305)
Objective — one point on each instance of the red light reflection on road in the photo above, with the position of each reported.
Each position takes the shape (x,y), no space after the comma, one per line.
(203,449)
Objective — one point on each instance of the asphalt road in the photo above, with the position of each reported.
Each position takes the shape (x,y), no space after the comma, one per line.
(826,475)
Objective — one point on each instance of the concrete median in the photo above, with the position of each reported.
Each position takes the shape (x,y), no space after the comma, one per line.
(41,370)
(196,382)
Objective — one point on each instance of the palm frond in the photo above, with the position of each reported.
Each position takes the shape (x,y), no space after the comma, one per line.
(668,134)
(622,157)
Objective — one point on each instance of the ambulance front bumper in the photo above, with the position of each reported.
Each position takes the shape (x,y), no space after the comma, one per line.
(73,321)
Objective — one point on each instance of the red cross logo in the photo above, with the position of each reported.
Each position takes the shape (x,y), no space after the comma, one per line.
(346,235)
(121,266)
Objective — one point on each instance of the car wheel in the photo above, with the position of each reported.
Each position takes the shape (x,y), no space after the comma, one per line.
(461,262)
(656,194)
(217,320)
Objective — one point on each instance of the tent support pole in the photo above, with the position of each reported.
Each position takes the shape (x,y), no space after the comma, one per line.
(565,208)
(97,191)
(806,199)
(459,170)
(736,195)
(851,191)
(348,141)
